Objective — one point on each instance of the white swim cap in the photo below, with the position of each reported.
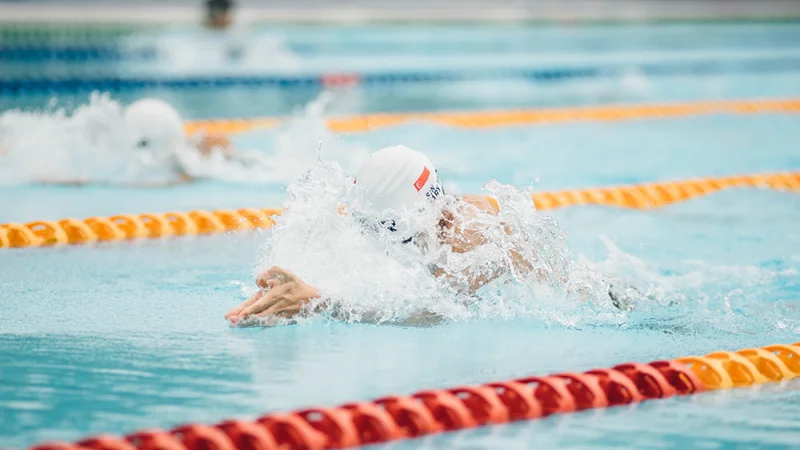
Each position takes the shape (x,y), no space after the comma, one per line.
(396,179)
(155,126)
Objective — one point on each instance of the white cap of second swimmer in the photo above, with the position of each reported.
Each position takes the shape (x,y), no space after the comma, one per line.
(155,126)
(397,178)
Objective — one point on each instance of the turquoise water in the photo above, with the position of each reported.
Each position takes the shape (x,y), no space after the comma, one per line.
(116,337)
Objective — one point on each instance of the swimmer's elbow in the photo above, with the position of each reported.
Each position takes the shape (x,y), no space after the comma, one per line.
(521,264)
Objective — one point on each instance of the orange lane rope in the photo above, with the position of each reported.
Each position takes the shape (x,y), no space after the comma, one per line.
(158,225)
(653,195)
(440,410)
(486,119)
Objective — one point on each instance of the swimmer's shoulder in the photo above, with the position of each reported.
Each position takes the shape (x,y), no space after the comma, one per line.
(482,202)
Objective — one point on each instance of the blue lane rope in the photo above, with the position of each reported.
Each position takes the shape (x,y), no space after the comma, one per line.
(31,53)
(33,84)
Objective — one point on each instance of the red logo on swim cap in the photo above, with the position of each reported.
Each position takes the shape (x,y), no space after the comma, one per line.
(423,178)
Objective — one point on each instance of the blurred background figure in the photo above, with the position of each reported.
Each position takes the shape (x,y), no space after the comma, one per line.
(156,131)
(219,14)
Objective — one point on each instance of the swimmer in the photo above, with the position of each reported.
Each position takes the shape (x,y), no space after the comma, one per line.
(394,179)
(156,132)
(142,144)
(156,151)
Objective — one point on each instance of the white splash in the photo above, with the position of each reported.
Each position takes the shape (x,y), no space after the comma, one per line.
(305,139)
(54,145)
(92,145)
(368,276)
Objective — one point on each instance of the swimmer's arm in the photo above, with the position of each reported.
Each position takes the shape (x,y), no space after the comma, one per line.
(477,280)
(208,143)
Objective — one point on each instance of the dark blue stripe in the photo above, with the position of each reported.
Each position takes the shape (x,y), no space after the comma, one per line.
(116,84)
(73,53)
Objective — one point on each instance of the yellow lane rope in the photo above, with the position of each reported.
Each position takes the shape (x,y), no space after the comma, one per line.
(488,119)
(136,226)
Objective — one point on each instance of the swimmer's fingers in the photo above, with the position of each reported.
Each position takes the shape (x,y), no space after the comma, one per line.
(239,308)
(285,301)
(267,300)
(266,281)
(289,299)
(277,314)
(261,300)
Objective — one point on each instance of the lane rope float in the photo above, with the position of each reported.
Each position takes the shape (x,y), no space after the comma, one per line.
(435,411)
(490,119)
(133,226)
(159,225)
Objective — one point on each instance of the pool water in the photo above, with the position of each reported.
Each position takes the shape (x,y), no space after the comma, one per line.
(122,336)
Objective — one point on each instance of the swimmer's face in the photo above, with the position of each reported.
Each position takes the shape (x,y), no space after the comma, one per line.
(449,230)
(429,219)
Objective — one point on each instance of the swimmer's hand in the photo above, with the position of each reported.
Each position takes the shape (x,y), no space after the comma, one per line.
(282,296)
(209,143)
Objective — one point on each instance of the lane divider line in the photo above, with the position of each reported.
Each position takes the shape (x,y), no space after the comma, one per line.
(160,225)
(83,81)
(435,411)
(490,119)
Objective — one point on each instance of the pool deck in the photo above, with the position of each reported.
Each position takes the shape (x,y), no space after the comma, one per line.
(356,11)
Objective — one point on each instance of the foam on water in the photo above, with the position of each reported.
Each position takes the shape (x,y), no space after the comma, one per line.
(54,145)
(696,295)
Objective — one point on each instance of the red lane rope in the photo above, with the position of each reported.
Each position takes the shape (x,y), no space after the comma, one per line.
(440,410)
